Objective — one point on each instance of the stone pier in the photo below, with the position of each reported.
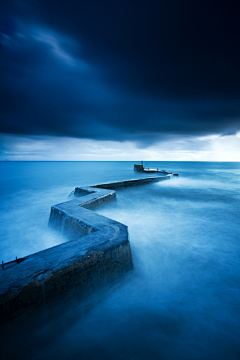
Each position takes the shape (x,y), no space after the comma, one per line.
(97,251)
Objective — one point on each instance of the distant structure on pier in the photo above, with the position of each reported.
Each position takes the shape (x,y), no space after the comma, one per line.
(138,167)
(141,168)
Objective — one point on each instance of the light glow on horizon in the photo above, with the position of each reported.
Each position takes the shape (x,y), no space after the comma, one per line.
(47,148)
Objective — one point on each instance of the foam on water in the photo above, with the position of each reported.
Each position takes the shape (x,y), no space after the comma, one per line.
(24,218)
(182,301)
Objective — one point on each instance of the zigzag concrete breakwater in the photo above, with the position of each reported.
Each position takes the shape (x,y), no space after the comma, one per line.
(98,251)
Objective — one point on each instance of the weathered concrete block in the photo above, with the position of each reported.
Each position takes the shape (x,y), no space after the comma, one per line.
(74,267)
(133,182)
(138,167)
(98,250)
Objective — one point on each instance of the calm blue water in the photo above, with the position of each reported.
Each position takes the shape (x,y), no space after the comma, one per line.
(29,189)
(182,301)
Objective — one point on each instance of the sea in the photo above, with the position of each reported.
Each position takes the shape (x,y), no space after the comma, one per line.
(181,301)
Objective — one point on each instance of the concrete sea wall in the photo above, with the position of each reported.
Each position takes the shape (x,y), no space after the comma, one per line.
(97,251)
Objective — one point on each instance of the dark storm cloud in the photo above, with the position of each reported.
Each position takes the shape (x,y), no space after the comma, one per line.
(132,70)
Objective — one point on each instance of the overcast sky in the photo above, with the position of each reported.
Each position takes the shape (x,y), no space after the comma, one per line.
(120,80)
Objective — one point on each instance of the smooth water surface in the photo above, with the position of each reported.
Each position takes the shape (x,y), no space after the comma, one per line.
(29,189)
(182,300)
